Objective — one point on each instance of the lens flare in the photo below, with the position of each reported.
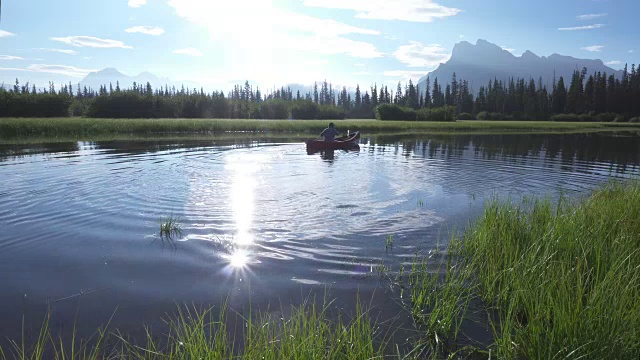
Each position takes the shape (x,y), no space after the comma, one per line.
(238,259)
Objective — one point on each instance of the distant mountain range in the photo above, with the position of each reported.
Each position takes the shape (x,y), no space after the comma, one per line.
(485,61)
(477,64)
(112,76)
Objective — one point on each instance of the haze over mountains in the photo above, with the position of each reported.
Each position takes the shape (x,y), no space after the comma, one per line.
(477,64)
(485,61)
(112,76)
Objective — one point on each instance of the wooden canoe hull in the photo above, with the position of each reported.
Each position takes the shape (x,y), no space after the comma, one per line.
(347,142)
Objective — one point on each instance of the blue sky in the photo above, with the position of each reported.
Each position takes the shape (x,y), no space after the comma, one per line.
(274,42)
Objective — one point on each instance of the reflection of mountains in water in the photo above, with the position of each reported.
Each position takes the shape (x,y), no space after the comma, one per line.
(620,149)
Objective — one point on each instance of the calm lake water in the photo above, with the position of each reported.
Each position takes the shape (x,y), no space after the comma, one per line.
(262,223)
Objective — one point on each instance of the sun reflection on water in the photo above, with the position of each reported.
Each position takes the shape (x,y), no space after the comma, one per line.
(239,259)
(244,170)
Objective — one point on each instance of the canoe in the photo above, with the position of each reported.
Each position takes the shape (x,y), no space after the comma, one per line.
(346,142)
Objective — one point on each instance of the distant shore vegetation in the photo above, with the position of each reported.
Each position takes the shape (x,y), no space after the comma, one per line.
(77,128)
(583,98)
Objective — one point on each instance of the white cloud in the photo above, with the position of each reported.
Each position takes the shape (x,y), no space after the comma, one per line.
(188,51)
(613,62)
(54,69)
(511,50)
(272,30)
(137,3)
(90,41)
(361,73)
(5,34)
(147,30)
(593,48)
(417,54)
(461,36)
(274,45)
(10,57)
(587,27)
(590,16)
(223,17)
(326,27)
(405,10)
(329,45)
(359,65)
(60,69)
(62,51)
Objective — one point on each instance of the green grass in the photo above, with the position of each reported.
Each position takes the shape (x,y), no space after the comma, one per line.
(553,280)
(564,278)
(388,243)
(170,227)
(87,129)
(306,331)
(439,300)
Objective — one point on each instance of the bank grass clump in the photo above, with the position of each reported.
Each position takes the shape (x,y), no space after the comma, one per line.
(48,345)
(440,293)
(308,334)
(563,277)
(312,330)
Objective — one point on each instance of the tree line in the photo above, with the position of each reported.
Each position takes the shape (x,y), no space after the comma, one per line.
(584,97)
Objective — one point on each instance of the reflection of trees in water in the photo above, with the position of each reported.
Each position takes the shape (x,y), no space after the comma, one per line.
(623,150)
(18,151)
(128,146)
(620,150)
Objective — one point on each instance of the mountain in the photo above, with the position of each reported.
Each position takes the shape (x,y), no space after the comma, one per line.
(485,61)
(112,76)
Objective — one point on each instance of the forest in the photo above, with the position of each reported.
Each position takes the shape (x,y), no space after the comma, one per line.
(584,97)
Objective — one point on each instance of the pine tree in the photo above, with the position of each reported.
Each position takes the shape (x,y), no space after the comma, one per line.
(374,95)
(559,97)
(574,95)
(398,98)
(589,95)
(455,92)
(436,94)
(427,95)
(600,93)
(612,92)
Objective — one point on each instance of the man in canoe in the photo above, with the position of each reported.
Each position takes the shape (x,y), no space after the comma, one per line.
(330,133)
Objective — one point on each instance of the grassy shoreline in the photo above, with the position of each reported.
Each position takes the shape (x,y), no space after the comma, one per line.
(562,278)
(552,280)
(85,128)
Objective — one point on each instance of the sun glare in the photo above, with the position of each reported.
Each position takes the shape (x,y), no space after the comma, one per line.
(238,259)
(244,170)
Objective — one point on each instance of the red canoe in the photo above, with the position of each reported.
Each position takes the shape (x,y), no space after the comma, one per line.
(346,142)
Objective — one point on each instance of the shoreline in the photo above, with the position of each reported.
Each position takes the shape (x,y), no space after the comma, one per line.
(30,130)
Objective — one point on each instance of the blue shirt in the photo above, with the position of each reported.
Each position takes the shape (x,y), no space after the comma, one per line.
(329,134)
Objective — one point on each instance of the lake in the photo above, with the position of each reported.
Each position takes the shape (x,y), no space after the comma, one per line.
(263,223)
